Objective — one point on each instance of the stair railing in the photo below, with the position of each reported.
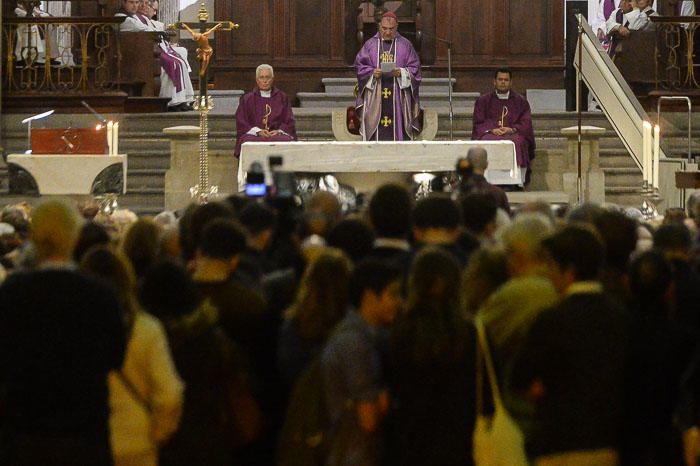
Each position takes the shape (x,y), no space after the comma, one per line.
(615,98)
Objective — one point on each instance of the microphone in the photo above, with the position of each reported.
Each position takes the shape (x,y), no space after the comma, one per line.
(102,120)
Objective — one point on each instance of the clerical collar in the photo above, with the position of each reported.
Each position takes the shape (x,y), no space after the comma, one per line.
(267,94)
(505,96)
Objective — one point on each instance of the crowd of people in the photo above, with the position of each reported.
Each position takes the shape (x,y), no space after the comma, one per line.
(226,333)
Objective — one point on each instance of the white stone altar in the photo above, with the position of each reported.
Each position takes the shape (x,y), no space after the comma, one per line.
(67,173)
(366,158)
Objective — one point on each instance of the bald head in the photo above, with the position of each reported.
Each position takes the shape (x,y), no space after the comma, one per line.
(478,159)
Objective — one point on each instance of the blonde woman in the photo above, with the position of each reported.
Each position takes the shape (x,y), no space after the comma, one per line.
(145,396)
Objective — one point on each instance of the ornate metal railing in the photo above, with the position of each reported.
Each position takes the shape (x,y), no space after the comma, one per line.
(675,52)
(60,55)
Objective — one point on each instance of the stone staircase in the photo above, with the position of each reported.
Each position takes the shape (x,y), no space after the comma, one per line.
(141,137)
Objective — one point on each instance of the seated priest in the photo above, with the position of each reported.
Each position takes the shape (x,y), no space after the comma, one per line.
(617,25)
(264,114)
(175,82)
(505,115)
(632,15)
(639,16)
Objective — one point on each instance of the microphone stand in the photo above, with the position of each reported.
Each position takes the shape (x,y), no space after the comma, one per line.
(449,86)
(449,82)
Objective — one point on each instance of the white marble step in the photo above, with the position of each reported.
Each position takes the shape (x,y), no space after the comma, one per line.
(225,101)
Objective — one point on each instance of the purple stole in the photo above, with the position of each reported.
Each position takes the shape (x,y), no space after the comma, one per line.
(171,62)
(387,121)
(619,17)
(608,8)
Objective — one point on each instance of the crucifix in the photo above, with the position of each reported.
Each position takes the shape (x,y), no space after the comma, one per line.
(200,33)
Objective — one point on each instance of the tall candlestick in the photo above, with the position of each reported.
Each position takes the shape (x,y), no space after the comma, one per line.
(655,156)
(646,151)
(116,139)
(110,137)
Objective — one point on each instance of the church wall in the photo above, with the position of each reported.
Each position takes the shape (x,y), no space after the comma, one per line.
(307,40)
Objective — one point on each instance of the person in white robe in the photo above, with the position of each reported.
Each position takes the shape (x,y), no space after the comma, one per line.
(30,46)
(175,83)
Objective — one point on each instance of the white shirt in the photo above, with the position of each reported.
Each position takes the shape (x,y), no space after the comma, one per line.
(611,24)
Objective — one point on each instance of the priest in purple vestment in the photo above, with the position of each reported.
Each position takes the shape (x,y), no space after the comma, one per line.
(505,115)
(264,114)
(388,78)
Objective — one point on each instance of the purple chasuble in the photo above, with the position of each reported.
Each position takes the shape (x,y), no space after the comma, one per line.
(251,112)
(403,104)
(488,111)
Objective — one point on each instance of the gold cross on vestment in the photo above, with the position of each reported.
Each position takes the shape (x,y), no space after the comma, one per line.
(386,92)
(386,121)
(387,57)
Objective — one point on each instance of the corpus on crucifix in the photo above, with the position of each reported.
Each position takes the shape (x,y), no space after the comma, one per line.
(203,103)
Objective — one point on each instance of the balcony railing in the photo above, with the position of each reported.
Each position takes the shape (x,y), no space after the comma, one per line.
(56,55)
(675,55)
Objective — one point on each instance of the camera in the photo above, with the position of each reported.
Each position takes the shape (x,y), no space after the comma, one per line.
(255,181)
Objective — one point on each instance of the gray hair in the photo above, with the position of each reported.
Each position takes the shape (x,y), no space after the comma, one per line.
(262,67)
(478,158)
(526,233)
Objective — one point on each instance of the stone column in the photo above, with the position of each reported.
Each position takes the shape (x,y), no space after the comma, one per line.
(592,177)
(168,11)
(183,173)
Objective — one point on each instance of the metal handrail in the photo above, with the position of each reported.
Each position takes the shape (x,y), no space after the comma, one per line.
(690,109)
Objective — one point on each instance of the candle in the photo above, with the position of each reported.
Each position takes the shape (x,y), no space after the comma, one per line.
(116,138)
(110,140)
(655,156)
(646,152)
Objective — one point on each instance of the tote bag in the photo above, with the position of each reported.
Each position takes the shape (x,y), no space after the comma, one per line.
(497,439)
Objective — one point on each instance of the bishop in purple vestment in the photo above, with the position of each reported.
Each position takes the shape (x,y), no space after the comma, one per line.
(505,115)
(264,114)
(387,101)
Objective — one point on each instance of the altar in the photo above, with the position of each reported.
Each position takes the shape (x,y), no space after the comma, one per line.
(364,159)
(67,173)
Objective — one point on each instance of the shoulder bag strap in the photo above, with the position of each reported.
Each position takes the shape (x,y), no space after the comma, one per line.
(479,380)
(484,346)
(135,395)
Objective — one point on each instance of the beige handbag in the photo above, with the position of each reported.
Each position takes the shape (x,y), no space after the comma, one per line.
(497,439)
